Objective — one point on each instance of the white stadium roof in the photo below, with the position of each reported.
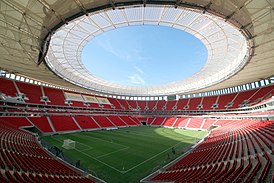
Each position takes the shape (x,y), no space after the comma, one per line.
(227,48)
(239,39)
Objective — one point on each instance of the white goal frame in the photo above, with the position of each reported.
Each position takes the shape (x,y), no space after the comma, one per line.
(69,144)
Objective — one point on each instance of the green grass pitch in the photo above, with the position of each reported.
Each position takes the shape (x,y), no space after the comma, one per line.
(127,154)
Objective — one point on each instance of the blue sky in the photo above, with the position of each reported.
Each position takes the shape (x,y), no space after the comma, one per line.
(144,55)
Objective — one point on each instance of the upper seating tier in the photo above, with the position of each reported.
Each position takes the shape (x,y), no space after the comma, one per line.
(7,87)
(57,97)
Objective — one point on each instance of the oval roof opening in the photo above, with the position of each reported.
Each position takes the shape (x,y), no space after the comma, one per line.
(145,55)
(228,50)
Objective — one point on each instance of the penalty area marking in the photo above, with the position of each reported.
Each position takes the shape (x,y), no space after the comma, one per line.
(98,159)
(112,152)
(125,147)
(88,147)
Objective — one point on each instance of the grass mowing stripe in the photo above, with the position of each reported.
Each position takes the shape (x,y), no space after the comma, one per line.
(125,136)
(104,140)
(87,149)
(152,157)
(100,161)
(95,159)
(143,134)
(127,140)
(127,154)
(112,152)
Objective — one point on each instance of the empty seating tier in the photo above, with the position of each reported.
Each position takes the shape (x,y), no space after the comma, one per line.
(7,87)
(32,92)
(239,150)
(41,123)
(117,121)
(195,123)
(55,96)
(169,122)
(103,121)
(36,94)
(16,121)
(129,121)
(158,121)
(86,122)
(181,122)
(63,123)
(22,159)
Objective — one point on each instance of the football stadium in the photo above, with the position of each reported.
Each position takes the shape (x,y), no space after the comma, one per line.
(126,91)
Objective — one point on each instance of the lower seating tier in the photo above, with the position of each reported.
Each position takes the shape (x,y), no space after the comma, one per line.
(239,150)
(22,159)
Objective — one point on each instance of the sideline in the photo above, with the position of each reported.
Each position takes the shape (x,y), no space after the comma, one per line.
(151,157)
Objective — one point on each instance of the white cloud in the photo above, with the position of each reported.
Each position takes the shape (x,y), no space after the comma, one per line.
(106,45)
(138,69)
(129,54)
(136,79)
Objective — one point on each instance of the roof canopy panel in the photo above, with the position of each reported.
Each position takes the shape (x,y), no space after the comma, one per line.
(227,48)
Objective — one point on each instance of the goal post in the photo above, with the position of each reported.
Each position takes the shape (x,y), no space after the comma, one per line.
(69,144)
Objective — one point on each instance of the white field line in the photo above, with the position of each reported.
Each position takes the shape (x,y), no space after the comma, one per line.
(125,147)
(150,158)
(108,141)
(112,152)
(86,149)
(96,159)
(123,172)
(100,161)
(84,145)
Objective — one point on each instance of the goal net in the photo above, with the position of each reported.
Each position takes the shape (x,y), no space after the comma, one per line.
(69,144)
